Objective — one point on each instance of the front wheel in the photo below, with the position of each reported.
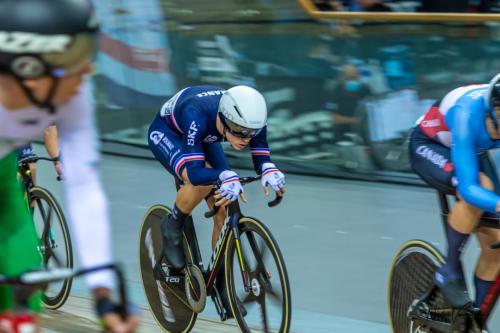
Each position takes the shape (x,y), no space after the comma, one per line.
(54,243)
(267,299)
(411,276)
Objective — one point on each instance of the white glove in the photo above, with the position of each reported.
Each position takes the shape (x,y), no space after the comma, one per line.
(272,176)
(231,186)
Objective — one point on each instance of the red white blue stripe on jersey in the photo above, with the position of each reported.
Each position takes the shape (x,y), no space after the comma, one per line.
(260,152)
(185,159)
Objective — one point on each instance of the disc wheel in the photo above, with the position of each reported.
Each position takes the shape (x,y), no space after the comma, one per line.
(411,276)
(168,302)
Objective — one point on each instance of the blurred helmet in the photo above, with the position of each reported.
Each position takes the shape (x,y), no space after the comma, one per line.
(51,38)
(492,97)
(243,111)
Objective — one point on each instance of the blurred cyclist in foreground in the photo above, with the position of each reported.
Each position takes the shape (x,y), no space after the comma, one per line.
(45,51)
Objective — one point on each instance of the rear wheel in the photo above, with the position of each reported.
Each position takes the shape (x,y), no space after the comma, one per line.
(268,302)
(54,243)
(411,276)
(167,301)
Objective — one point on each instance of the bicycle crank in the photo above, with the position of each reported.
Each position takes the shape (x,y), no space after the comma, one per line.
(195,288)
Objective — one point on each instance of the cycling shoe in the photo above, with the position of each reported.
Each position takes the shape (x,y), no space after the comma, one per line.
(173,249)
(453,288)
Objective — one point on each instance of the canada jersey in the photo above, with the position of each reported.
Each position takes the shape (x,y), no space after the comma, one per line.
(192,115)
(458,121)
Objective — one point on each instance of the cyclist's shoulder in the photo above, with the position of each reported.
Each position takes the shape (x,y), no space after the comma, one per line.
(201,101)
(466,99)
(466,95)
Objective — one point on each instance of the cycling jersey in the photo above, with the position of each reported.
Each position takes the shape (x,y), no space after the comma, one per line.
(85,198)
(458,122)
(17,231)
(185,128)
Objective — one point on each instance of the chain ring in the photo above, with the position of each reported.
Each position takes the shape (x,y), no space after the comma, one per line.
(193,276)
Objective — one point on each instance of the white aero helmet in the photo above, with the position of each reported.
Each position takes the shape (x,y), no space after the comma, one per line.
(243,111)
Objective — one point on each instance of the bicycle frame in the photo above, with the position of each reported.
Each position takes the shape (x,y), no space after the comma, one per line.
(494,292)
(216,260)
(234,214)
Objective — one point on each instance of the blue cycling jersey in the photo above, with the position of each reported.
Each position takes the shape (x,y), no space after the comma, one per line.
(191,114)
(459,123)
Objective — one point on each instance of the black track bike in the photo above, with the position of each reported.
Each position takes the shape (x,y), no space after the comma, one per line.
(54,238)
(416,304)
(252,263)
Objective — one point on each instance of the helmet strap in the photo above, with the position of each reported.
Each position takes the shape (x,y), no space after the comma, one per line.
(47,103)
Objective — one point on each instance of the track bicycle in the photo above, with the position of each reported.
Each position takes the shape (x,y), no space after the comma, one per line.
(29,282)
(246,252)
(54,238)
(416,304)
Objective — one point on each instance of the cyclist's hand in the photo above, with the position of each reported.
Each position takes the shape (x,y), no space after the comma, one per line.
(229,190)
(273,177)
(112,321)
(59,169)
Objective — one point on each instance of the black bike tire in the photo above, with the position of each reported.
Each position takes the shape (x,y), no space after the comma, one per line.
(254,225)
(147,269)
(56,302)
(397,317)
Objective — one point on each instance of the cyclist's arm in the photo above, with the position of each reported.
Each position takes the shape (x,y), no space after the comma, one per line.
(51,142)
(464,156)
(86,202)
(260,150)
(194,128)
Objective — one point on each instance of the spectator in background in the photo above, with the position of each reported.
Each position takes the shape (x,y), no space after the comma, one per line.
(373,6)
(444,6)
(343,102)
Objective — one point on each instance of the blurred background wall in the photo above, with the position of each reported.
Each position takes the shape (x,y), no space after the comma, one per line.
(342,94)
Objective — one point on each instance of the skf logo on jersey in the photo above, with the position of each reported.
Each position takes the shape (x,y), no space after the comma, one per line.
(193,129)
(28,67)
(210,93)
(431,123)
(156,137)
(25,42)
(435,158)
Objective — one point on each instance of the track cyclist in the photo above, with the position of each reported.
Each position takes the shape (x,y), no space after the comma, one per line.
(185,138)
(449,150)
(45,51)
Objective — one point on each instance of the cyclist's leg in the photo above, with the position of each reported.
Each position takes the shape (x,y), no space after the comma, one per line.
(432,162)
(166,146)
(488,265)
(18,239)
(216,158)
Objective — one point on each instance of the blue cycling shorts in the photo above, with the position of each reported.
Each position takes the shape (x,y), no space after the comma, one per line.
(166,145)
